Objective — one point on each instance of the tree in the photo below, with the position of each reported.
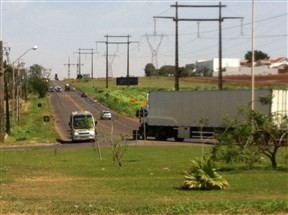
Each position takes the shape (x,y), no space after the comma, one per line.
(150,70)
(167,70)
(37,82)
(260,134)
(186,72)
(258,55)
(36,71)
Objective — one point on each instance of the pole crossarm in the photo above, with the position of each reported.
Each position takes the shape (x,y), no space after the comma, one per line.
(199,20)
(163,17)
(202,6)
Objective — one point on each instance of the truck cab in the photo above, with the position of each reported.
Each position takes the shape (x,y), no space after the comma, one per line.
(67,87)
(83,126)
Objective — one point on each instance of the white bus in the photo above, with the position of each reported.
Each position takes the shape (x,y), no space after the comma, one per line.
(83,126)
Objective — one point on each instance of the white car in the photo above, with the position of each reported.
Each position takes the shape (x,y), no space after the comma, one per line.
(105,114)
(58,89)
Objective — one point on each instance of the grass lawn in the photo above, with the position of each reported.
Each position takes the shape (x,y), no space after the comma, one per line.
(75,181)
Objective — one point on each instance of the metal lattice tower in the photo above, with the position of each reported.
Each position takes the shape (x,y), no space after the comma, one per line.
(154,47)
(110,63)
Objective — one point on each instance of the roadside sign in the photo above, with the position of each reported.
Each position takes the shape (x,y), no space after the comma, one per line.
(46,118)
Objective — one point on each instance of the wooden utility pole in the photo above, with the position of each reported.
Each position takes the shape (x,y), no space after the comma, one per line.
(2,130)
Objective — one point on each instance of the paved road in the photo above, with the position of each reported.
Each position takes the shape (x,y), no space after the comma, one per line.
(63,103)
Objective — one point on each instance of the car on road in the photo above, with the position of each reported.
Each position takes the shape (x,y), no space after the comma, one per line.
(105,114)
(51,89)
(58,89)
(84,95)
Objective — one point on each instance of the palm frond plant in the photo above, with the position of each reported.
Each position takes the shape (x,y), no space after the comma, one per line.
(202,175)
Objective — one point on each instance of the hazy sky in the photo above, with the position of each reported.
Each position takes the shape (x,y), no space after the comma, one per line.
(59,28)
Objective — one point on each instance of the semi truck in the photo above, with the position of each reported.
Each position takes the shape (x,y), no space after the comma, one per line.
(186,114)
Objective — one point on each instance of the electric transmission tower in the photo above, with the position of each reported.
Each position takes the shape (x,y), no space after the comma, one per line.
(154,47)
(110,63)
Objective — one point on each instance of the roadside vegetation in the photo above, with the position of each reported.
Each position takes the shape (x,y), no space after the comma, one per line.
(31,127)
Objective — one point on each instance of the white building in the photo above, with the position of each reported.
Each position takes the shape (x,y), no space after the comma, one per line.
(213,65)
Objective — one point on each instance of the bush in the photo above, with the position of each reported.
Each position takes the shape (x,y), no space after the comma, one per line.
(202,175)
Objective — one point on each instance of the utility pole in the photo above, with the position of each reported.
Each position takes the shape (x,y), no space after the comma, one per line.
(253,57)
(6,93)
(221,19)
(107,42)
(176,20)
(91,52)
(2,130)
(68,65)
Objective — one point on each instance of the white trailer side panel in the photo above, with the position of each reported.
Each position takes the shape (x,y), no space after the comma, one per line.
(280,102)
(189,108)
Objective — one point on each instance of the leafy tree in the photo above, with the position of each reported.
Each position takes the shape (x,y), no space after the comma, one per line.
(167,70)
(258,55)
(150,70)
(202,175)
(186,71)
(260,134)
(37,82)
(39,86)
(36,71)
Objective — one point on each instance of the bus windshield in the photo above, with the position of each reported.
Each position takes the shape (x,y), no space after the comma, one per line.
(83,122)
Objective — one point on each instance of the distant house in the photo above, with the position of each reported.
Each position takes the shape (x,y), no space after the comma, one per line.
(275,63)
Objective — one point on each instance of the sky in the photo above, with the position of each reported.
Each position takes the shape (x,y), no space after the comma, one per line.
(60,28)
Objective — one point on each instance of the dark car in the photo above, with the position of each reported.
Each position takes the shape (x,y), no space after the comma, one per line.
(85,95)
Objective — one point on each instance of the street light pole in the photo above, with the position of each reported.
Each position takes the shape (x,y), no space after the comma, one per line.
(13,79)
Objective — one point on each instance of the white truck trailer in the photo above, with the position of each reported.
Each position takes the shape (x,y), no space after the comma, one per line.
(182,114)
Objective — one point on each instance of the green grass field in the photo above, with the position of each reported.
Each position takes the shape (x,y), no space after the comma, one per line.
(76,181)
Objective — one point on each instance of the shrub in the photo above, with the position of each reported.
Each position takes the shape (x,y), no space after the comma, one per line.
(202,175)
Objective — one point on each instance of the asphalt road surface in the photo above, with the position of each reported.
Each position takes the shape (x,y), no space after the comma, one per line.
(65,102)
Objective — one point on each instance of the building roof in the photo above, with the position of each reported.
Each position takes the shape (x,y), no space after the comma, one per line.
(277,60)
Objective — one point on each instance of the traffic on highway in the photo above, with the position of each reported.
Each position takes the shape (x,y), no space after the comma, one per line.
(64,103)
